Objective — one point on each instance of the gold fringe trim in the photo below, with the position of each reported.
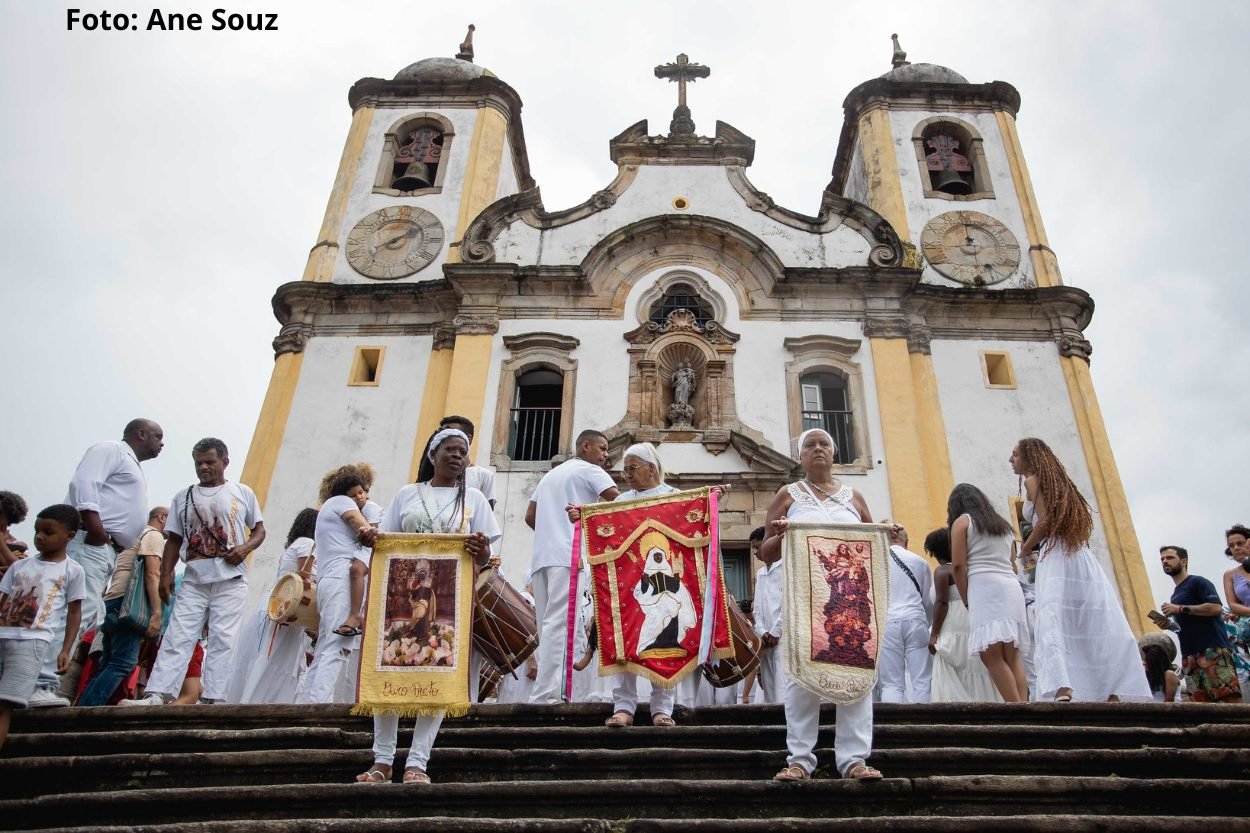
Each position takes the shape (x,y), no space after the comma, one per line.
(371,709)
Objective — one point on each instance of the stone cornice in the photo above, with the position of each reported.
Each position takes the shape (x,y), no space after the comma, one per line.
(484,91)
(730,146)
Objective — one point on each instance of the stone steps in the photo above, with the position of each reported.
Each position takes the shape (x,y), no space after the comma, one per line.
(642,798)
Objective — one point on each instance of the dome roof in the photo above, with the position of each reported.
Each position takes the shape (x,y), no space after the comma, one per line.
(923,73)
(443,70)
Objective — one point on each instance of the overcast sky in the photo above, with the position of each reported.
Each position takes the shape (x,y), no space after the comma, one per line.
(158,187)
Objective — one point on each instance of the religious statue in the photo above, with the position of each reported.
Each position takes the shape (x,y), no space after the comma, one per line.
(680,413)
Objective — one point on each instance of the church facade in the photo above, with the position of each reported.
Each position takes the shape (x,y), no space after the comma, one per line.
(919,316)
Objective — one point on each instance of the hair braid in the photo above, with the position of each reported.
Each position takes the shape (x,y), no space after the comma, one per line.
(1068,515)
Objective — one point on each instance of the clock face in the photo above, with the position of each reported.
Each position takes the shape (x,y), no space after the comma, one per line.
(970,247)
(394,242)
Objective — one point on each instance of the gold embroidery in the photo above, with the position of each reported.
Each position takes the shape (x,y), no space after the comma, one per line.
(606,531)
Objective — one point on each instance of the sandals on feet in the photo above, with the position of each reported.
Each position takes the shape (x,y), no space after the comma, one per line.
(863,772)
(415,776)
(662,720)
(794,772)
(344,631)
(373,776)
(619,720)
(1063,698)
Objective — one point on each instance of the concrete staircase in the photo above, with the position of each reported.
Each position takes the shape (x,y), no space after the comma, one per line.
(1039,767)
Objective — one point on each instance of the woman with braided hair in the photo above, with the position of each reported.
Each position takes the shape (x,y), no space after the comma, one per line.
(1085,649)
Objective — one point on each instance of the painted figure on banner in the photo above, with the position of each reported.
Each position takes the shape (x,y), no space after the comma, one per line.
(667,606)
(845,631)
(420,629)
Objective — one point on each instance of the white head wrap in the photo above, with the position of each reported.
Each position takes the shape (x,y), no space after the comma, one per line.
(803,438)
(442,435)
(645,452)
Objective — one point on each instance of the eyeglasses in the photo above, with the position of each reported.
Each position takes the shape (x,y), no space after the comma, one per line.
(632,469)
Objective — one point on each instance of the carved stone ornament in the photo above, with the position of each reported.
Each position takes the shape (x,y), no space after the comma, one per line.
(883,327)
(681,321)
(444,336)
(293,338)
(1073,345)
(476,325)
(918,341)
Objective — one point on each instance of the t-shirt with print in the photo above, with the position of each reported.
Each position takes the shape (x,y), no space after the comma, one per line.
(1198,633)
(38,594)
(212,520)
(574,481)
(151,542)
(337,542)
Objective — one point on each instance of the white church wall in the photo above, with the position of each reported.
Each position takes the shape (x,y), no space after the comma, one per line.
(332,423)
(857,178)
(445,205)
(1004,207)
(507,174)
(983,424)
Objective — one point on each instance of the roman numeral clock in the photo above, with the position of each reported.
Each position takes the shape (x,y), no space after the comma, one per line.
(970,247)
(394,242)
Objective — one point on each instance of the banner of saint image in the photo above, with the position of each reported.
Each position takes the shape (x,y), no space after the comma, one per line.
(417,627)
(835,593)
(650,565)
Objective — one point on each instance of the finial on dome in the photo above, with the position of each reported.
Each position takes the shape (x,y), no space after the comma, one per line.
(900,57)
(466,47)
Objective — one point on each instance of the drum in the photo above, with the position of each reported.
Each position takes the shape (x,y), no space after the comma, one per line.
(505,628)
(291,604)
(746,644)
(488,682)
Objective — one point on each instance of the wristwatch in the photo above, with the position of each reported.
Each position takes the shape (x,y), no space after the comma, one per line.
(1185,609)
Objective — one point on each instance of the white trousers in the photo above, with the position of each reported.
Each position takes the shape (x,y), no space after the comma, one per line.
(852,742)
(551,606)
(218,604)
(625,695)
(334,601)
(424,732)
(905,655)
(769,684)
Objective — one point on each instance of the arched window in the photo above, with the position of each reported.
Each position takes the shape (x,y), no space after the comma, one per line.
(680,296)
(826,404)
(952,160)
(414,151)
(534,426)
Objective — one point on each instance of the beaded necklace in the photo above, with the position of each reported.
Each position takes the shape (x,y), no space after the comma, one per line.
(433,518)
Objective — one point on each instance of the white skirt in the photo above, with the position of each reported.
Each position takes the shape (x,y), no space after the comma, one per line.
(958,677)
(995,613)
(1083,640)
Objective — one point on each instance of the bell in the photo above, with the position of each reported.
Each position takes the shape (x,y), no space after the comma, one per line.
(417,175)
(950,182)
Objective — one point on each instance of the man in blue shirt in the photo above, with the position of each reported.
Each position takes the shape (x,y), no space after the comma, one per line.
(1206,654)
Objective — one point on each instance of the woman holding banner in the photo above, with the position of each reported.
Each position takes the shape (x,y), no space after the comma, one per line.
(819,497)
(439,502)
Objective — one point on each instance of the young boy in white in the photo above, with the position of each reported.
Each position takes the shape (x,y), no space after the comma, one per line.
(38,597)
(767,610)
(208,529)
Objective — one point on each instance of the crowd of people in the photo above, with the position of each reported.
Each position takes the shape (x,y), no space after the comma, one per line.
(126,603)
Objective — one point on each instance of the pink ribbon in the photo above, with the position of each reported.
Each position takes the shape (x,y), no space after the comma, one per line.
(711,595)
(574,578)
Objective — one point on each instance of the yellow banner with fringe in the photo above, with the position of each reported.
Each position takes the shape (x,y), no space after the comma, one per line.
(418,627)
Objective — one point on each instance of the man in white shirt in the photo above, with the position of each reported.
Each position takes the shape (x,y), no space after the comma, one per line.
(905,649)
(110,492)
(475,477)
(581,479)
(767,610)
(208,529)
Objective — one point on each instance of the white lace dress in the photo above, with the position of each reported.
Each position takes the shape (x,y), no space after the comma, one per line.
(957,677)
(1083,640)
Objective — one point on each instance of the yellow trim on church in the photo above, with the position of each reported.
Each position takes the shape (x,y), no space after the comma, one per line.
(1045,265)
(262,455)
(931,427)
(904,451)
(320,266)
(1110,499)
(433,405)
(481,176)
(466,388)
(885,187)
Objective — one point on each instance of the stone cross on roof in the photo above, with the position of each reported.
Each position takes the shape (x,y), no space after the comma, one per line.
(681,72)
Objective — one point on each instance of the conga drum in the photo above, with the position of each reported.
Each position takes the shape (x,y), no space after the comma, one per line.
(291,603)
(505,628)
(746,657)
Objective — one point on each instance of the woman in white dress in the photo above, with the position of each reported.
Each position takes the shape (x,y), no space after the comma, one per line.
(271,656)
(439,502)
(1085,649)
(957,676)
(819,497)
(998,628)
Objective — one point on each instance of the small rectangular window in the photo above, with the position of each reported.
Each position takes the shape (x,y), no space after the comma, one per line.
(996,367)
(367,366)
